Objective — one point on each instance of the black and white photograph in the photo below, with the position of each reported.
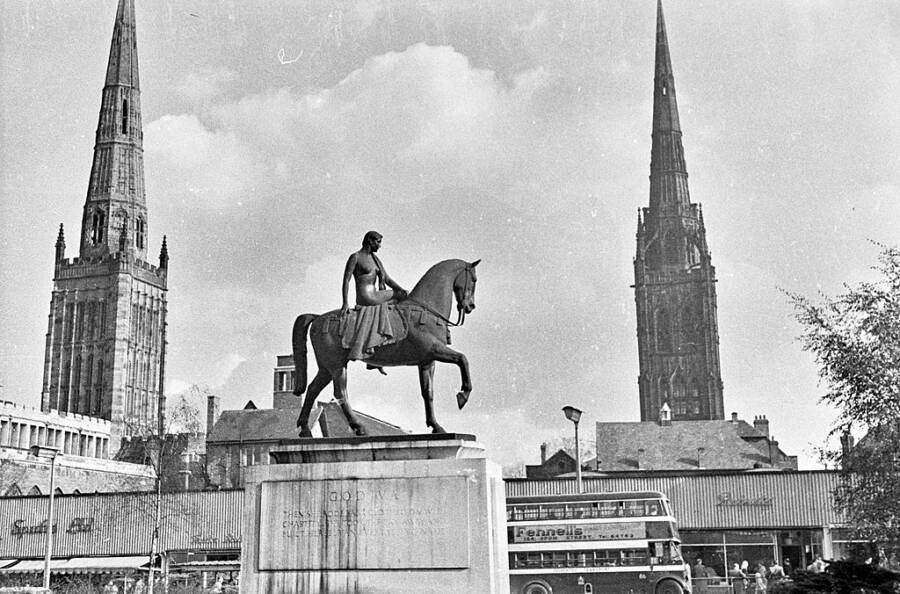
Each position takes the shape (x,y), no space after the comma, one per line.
(373,296)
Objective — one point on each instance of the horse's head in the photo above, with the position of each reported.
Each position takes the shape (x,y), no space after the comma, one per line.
(464,290)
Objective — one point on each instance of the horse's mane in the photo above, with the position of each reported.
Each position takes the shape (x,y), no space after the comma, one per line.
(439,269)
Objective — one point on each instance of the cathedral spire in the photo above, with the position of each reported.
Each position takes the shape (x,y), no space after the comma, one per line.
(674,279)
(116,186)
(123,64)
(668,173)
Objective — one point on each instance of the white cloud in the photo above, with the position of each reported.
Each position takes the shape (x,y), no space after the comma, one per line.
(404,125)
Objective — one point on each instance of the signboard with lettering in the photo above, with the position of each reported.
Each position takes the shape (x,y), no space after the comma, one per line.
(728,499)
(580,532)
(414,523)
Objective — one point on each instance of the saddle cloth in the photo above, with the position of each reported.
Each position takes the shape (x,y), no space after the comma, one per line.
(366,328)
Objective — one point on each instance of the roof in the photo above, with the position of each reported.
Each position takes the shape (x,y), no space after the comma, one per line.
(257,424)
(726,445)
(275,424)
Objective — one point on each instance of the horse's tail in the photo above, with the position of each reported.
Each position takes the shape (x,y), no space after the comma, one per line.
(301,326)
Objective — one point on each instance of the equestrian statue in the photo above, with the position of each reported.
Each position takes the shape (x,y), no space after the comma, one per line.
(389,327)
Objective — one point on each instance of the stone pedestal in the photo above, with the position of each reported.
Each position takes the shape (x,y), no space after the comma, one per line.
(397,514)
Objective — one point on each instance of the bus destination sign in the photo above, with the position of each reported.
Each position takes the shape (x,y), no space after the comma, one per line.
(580,532)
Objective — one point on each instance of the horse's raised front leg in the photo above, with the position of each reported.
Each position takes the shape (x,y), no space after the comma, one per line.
(340,393)
(445,354)
(426,382)
(315,387)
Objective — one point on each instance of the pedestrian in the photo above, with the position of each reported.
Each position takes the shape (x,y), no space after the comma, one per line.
(738,579)
(776,572)
(761,581)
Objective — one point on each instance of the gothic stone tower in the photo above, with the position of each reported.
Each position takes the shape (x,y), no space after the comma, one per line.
(674,279)
(105,349)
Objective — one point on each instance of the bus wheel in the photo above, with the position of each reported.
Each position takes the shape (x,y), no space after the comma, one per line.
(537,588)
(669,587)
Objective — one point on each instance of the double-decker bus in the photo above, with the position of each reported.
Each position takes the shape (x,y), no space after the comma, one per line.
(594,542)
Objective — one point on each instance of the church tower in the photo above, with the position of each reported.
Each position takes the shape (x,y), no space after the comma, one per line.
(106,336)
(674,279)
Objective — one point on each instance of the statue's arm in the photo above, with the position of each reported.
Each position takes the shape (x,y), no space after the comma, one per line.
(345,286)
(392,283)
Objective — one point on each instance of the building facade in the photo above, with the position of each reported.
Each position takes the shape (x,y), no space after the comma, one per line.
(674,279)
(106,334)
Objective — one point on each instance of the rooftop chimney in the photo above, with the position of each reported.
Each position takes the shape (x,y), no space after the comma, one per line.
(761,424)
(544,452)
(847,443)
(700,457)
(642,459)
(734,417)
(212,412)
(774,454)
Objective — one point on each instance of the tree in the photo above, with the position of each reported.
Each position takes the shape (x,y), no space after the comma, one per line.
(855,338)
(169,449)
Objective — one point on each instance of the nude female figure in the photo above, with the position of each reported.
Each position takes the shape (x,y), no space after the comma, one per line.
(371,277)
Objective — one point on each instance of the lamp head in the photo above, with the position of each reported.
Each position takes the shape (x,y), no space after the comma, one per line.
(47,452)
(572,413)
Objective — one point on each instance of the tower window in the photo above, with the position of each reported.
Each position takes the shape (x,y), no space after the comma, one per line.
(139,233)
(124,116)
(98,224)
(664,339)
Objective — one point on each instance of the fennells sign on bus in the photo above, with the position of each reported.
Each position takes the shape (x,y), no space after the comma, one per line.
(576,532)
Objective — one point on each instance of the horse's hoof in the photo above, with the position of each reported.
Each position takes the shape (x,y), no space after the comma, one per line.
(359,430)
(435,428)
(305,432)
(461,399)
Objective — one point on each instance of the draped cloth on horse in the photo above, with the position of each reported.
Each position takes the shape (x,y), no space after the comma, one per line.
(368,327)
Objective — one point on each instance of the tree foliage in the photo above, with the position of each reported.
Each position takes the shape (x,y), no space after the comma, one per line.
(855,338)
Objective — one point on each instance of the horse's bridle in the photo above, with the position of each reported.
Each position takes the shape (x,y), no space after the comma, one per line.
(460,320)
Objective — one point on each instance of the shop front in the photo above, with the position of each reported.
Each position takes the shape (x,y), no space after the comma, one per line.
(104,540)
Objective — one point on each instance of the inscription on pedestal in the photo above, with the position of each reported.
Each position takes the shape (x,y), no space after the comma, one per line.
(392,523)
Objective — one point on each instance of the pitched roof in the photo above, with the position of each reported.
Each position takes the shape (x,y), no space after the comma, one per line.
(675,446)
(257,424)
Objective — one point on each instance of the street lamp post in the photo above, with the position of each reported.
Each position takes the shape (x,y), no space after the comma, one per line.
(48,453)
(574,415)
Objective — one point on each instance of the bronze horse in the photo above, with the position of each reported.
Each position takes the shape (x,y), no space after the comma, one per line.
(425,343)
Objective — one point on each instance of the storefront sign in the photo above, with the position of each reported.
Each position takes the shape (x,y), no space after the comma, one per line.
(20,528)
(228,541)
(81,525)
(580,532)
(727,499)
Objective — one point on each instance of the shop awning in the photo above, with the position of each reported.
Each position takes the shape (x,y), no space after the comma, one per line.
(80,565)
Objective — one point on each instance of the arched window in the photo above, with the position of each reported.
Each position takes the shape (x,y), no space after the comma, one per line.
(673,248)
(35,490)
(13,491)
(98,225)
(664,341)
(139,232)
(124,116)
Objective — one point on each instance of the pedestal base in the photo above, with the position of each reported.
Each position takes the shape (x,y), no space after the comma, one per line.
(385,515)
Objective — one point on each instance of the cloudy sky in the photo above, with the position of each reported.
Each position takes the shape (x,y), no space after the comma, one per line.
(517,131)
